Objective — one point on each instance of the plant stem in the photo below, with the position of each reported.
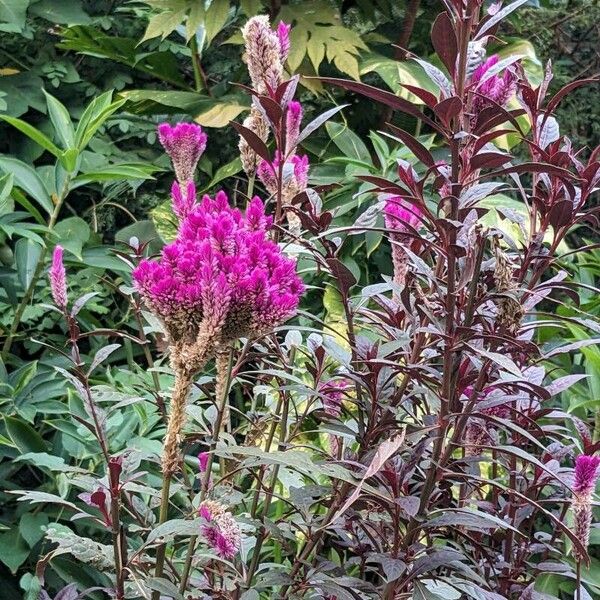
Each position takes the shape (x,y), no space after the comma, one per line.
(198,78)
(224,366)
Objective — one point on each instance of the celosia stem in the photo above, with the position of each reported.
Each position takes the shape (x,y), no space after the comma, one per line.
(224,366)
(250,191)
(196,63)
(170,457)
(578,579)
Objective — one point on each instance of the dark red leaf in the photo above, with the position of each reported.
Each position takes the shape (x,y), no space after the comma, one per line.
(271,108)
(447,109)
(424,95)
(342,273)
(489,160)
(253,141)
(387,98)
(444,41)
(560,214)
(564,91)
(414,145)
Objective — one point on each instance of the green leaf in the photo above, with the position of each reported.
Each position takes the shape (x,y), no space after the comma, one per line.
(27,256)
(13,14)
(65,12)
(30,527)
(28,180)
(347,141)
(72,234)
(116,173)
(61,120)
(13,549)
(6,186)
(35,134)
(165,587)
(23,436)
(216,18)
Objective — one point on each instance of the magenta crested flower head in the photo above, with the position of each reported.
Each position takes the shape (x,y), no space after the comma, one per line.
(293,119)
(399,213)
(222,274)
(491,88)
(183,198)
(221,532)
(587,473)
(184,143)
(58,279)
(294,175)
(283,33)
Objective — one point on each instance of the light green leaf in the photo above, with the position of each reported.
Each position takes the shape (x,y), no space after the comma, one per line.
(61,120)
(347,141)
(72,234)
(13,14)
(28,180)
(216,18)
(24,436)
(27,256)
(35,134)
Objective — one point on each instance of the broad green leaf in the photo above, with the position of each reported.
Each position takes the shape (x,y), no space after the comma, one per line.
(13,14)
(6,186)
(13,549)
(28,180)
(72,233)
(219,115)
(397,73)
(27,256)
(24,436)
(61,120)
(35,134)
(347,141)
(216,18)
(65,12)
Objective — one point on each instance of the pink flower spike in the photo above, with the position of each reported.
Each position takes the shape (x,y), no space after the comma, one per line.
(283,33)
(293,119)
(183,199)
(203,461)
(184,143)
(399,213)
(587,472)
(58,279)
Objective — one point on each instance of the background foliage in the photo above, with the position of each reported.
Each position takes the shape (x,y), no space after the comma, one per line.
(180,59)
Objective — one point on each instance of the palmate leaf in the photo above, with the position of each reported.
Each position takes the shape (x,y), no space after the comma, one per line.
(205,22)
(317,32)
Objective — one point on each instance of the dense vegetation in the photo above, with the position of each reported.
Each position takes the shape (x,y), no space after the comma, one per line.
(380,380)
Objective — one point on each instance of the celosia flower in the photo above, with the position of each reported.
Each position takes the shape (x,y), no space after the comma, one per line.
(58,279)
(221,531)
(263,54)
(283,33)
(183,197)
(203,461)
(587,472)
(257,124)
(293,119)
(184,143)
(294,175)
(491,88)
(398,215)
(222,273)
(333,396)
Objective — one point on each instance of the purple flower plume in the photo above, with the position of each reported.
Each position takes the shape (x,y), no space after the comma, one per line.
(492,88)
(184,198)
(283,34)
(223,269)
(184,143)
(587,472)
(58,279)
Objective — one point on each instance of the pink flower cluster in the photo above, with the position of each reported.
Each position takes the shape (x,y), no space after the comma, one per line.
(221,532)
(58,279)
(184,143)
(491,88)
(222,271)
(333,395)
(399,213)
(295,175)
(587,473)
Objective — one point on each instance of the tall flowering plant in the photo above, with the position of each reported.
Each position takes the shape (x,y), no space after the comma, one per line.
(412,447)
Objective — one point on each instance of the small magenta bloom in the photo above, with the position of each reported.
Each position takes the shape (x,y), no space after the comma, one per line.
(58,279)
(293,119)
(587,472)
(491,88)
(283,33)
(400,216)
(203,461)
(333,395)
(183,198)
(221,531)
(184,143)
(222,274)
(294,175)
